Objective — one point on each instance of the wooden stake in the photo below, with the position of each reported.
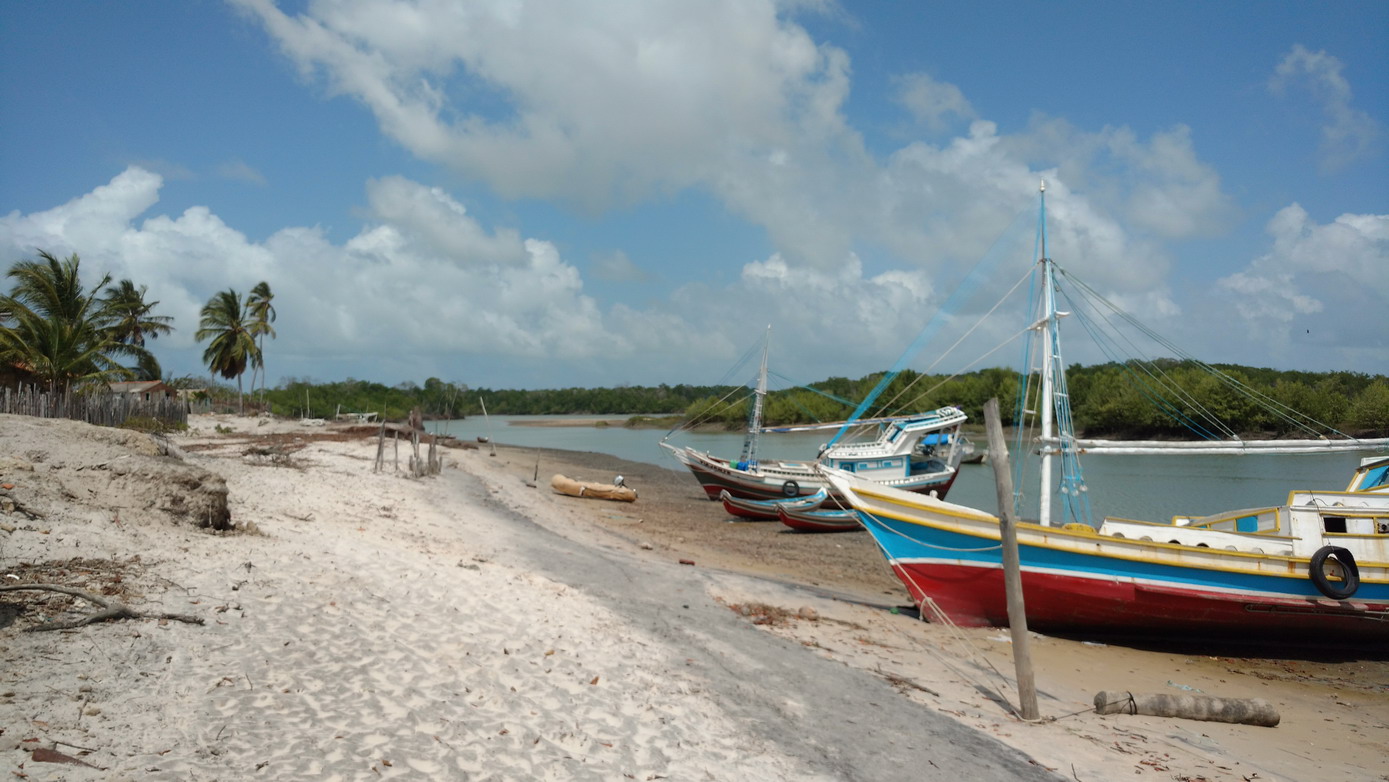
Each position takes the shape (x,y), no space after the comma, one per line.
(1012,570)
(380,449)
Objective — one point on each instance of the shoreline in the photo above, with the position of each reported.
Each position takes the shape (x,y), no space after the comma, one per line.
(362,605)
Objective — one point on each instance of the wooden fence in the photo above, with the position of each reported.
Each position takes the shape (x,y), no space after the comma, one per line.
(100,409)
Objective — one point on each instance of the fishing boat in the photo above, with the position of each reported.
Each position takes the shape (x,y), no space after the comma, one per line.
(767,510)
(820,519)
(1313,568)
(917,453)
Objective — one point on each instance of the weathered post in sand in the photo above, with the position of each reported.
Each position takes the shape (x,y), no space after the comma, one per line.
(380,448)
(1012,570)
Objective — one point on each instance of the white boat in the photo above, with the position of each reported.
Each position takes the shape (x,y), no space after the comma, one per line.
(917,453)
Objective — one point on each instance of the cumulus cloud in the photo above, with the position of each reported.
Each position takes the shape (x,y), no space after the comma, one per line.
(732,98)
(1348,134)
(421,277)
(1320,287)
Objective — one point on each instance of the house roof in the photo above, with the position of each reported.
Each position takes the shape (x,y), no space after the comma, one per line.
(135,386)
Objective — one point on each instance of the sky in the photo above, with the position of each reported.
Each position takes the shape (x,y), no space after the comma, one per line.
(516,194)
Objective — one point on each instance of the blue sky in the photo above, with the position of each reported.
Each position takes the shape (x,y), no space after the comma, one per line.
(551,194)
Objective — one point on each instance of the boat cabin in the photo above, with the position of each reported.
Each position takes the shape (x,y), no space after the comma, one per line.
(1371,475)
(1358,521)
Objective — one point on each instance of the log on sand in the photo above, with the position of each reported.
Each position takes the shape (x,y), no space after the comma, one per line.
(1244,711)
(597,491)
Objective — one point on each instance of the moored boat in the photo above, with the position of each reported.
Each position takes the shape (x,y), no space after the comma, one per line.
(1313,569)
(919,452)
(820,519)
(767,510)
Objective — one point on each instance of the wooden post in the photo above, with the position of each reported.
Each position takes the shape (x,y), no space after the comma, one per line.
(1012,571)
(380,449)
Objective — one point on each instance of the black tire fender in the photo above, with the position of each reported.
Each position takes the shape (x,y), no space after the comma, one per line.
(1346,560)
(790,488)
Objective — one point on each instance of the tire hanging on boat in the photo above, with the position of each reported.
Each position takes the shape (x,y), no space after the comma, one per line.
(1323,584)
(790,488)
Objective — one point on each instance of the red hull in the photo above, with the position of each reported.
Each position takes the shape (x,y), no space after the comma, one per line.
(751,514)
(715,484)
(974,596)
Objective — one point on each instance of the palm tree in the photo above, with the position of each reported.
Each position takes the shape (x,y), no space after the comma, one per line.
(59,331)
(262,312)
(232,346)
(133,320)
(132,314)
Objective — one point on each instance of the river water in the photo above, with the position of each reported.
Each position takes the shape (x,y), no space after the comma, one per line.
(1148,488)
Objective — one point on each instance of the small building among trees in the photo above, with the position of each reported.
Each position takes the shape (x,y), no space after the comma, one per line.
(144,390)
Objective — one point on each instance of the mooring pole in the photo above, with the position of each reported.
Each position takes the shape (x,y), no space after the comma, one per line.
(1012,570)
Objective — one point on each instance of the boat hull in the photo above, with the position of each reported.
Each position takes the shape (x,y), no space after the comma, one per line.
(1078,582)
(788,480)
(768,510)
(821,520)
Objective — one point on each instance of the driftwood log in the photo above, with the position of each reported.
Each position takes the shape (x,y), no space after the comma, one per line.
(110,609)
(1244,711)
(562,484)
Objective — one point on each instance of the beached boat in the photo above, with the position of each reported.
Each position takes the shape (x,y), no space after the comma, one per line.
(820,519)
(1314,568)
(917,453)
(617,491)
(766,510)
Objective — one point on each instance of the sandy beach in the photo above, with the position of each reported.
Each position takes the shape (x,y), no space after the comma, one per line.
(474,625)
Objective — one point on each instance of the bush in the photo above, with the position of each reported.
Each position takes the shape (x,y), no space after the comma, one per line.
(153,425)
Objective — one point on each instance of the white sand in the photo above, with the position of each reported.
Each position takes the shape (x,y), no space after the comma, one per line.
(377,627)
(374,638)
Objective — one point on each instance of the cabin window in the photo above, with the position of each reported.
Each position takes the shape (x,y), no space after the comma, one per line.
(1247,524)
(1335,524)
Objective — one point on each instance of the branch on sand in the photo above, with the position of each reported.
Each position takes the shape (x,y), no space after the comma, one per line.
(110,609)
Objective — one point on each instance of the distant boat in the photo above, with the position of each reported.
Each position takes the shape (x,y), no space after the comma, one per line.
(919,453)
(1313,569)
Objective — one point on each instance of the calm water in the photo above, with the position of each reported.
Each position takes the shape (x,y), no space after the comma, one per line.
(1150,488)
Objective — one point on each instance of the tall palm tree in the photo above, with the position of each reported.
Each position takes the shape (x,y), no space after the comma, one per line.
(60,331)
(232,347)
(132,320)
(262,312)
(132,315)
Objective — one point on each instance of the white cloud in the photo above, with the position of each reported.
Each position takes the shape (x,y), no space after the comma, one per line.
(934,104)
(617,267)
(240,171)
(1320,287)
(1348,134)
(421,279)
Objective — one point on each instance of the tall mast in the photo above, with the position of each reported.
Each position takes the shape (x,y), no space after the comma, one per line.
(755,419)
(1048,330)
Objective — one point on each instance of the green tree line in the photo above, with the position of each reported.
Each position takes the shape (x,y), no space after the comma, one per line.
(1105,401)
